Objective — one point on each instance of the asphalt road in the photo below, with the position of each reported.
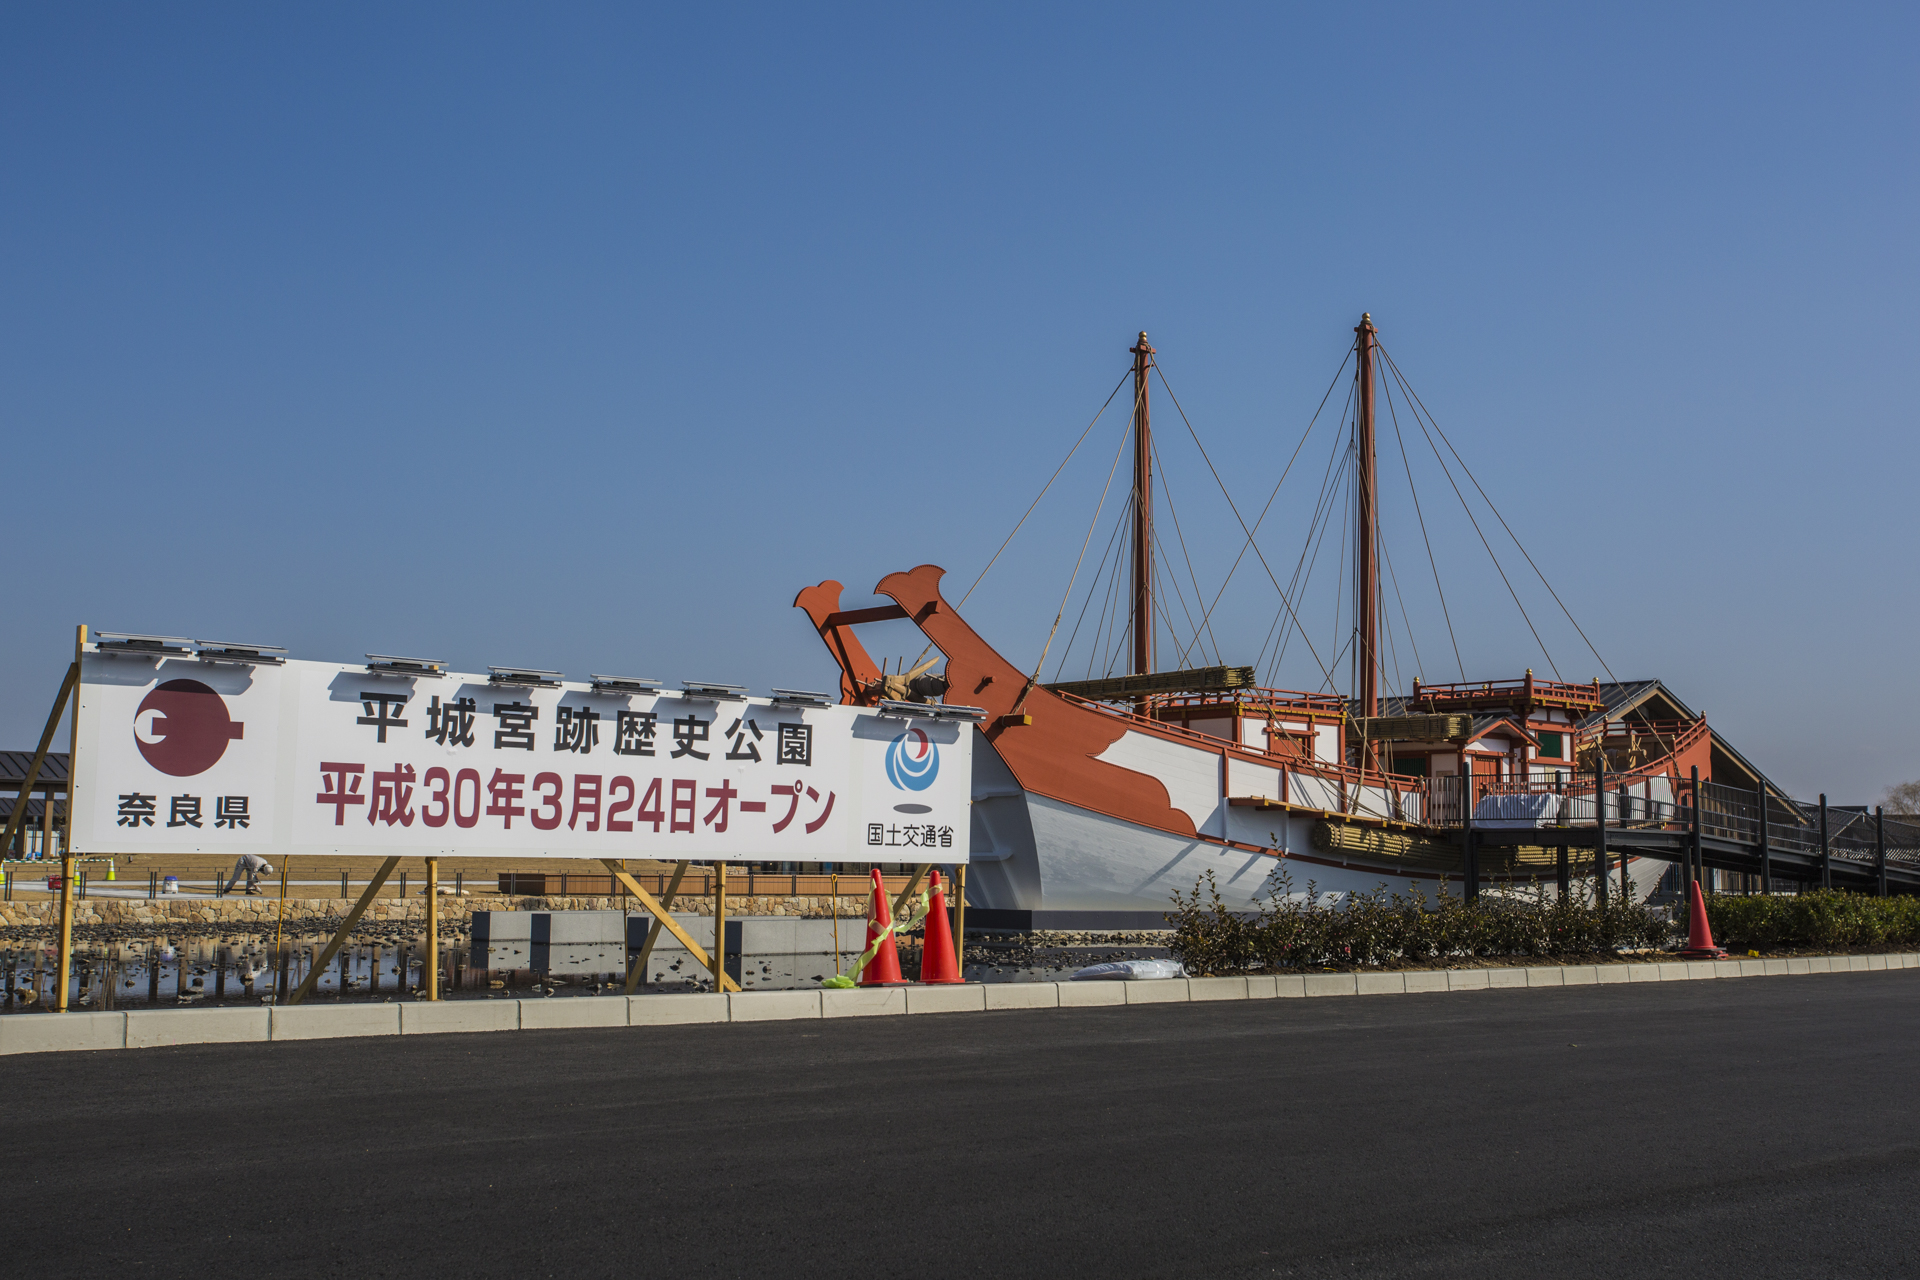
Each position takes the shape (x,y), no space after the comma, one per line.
(1749,1128)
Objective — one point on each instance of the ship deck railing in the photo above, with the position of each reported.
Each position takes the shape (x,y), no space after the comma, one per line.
(1669,737)
(1462,695)
(1288,759)
(1255,700)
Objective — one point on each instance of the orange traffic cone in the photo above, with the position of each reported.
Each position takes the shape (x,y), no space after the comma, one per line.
(884,968)
(1699,935)
(937,960)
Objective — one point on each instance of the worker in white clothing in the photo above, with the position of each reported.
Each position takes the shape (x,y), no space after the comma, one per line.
(252,866)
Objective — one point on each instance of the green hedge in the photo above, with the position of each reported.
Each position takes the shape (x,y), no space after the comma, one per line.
(1366,930)
(1822,918)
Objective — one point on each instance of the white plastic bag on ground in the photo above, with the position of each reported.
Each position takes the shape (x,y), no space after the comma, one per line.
(1124,970)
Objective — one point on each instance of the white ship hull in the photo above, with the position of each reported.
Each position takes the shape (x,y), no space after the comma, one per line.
(1084,808)
(1030,853)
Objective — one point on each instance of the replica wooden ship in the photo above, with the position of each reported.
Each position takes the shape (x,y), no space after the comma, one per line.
(1094,801)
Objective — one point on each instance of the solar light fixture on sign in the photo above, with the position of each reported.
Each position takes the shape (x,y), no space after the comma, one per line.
(133,645)
(524,677)
(932,711)
(386,664)
(241,655)
(625,684)
(800,698)
(704,691)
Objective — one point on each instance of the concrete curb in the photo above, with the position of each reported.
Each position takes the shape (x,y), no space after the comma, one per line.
(148,1028)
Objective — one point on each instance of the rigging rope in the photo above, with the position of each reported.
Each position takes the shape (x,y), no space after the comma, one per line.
(1285,471)
(1109,624)
(1048,485)
(1386,629)
(1237,516)
(1160,606)
(1120,615)
(1123,625)
(1464,506)
(1098,570)
(1036,500)
(1339,595)
(1394,578)
(1420,515)
(1166,492)
(1330,484)
(1179,595)
(1078,561)
(1326,685)
(1502,519)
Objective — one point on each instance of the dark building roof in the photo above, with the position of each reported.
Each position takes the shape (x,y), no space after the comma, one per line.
(1493,719)
(36,810)
(13,771)
(1649,698)
(14,766)
(1652,700)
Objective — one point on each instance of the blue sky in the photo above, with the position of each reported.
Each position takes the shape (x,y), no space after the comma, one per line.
(581,337)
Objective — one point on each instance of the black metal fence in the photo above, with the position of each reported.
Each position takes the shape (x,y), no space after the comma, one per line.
(1555,798)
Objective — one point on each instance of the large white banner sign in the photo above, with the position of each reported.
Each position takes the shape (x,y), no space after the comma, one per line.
(180,755)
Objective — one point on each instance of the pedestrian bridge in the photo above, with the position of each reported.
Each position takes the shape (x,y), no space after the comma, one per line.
(1727,829)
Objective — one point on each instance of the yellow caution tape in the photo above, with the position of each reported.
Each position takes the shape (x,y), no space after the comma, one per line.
(847,979)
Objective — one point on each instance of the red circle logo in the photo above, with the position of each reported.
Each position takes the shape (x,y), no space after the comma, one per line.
(182,728)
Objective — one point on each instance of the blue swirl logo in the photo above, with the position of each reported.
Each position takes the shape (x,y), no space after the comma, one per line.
(913,762)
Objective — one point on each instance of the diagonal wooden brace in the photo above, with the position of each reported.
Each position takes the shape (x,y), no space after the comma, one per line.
(39,758)
(321,961)
(913,887)
(665,917)
(638,970)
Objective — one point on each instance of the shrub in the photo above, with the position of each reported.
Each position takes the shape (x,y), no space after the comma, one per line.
(1301,930)
(1821,918)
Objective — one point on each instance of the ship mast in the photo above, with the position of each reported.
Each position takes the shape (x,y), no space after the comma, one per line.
(1366,543)
(1142,515)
